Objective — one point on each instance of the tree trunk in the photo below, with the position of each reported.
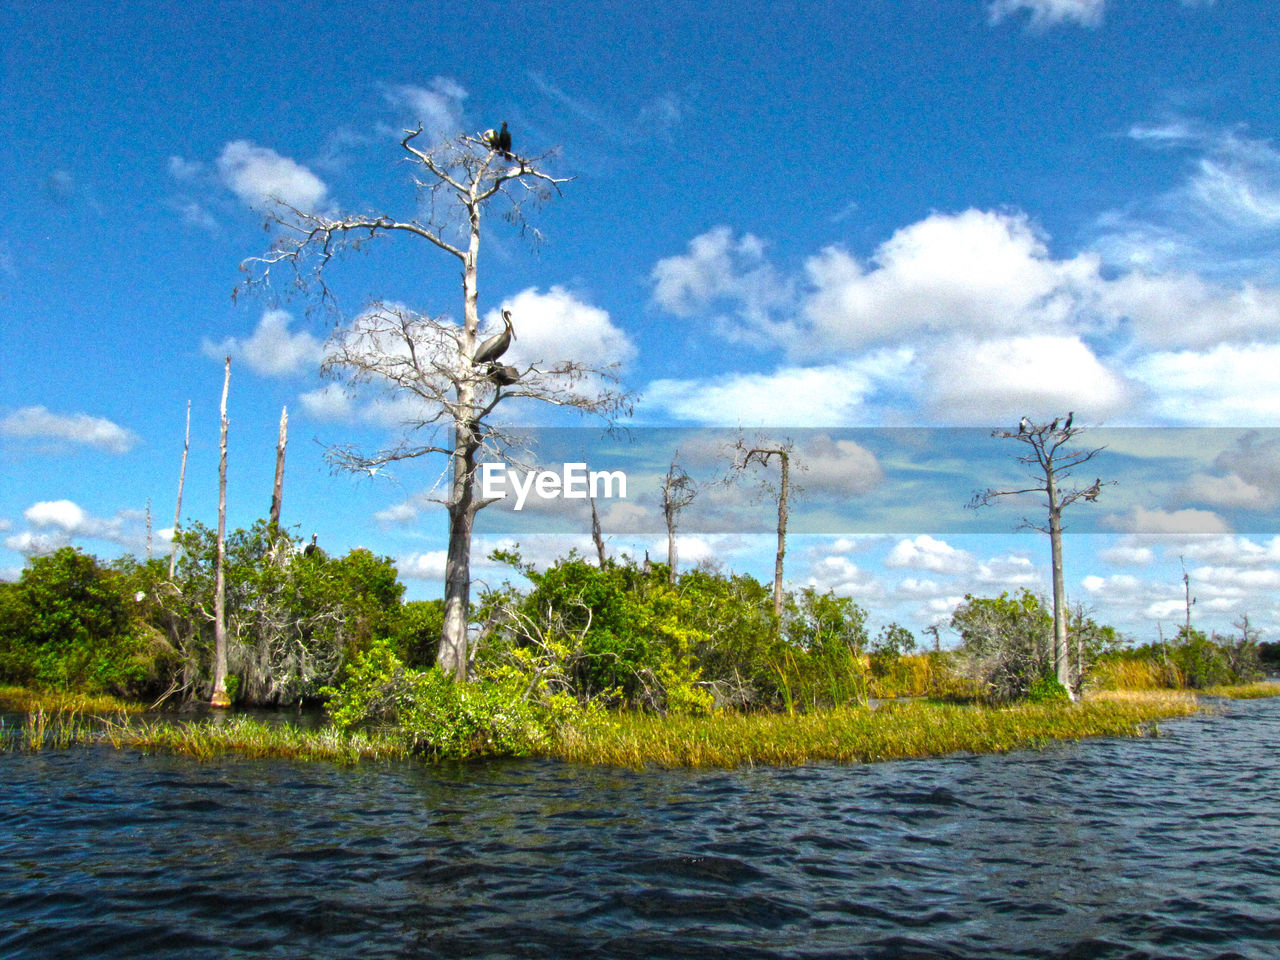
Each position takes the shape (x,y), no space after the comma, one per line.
(782,533)
(177,511)
(452,653)
(596,535)
(669,510)
(1061,650)
(277,491)
(220,698)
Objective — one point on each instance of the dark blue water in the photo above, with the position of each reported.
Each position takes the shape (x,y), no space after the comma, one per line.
(1116,848)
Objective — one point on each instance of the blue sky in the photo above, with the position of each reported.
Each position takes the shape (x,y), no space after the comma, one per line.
(880,215)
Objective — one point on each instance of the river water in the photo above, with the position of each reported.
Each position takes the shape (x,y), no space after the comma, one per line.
(1166,847)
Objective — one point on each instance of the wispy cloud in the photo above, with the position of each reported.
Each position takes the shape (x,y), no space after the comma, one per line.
(79,429)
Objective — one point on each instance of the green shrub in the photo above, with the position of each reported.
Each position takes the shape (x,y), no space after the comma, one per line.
(1047,689)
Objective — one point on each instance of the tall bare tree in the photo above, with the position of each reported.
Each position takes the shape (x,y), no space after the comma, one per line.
(454,377)
(177,511)
(747,456)
(220,697)
(1051,461)
(678,491)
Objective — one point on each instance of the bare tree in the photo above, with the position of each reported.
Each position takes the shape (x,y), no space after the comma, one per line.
(277,489)
(220,698)
(182,479)
(455,379)
(746,456)
(1051,462)
(678,491)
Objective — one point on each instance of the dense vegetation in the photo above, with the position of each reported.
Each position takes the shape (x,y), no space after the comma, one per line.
(579,657)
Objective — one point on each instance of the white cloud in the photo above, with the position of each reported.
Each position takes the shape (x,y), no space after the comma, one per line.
(78,428)
(1224,386)
(259,176)
(330,402)
(1009,572)
(558,327)
(719,271)
(437,107)
(844,578)
(422,566)
(271,350)
(826,396)
(995,380)
(975,272)
(928,553)
(1128,554)
(1141,520)
(1182,310)
(56,513)
(1048,13)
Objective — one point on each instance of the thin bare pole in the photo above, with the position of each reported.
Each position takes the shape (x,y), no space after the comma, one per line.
(182,479)
(220,698)
(277,492)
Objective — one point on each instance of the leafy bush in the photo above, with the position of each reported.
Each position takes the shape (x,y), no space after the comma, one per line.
(68,623)
(437,716)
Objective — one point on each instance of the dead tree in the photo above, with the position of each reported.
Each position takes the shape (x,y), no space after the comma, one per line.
(746,456)
(182,479)
(220,698)
(454,376)
(277,489)
(1051,462)
(678,491)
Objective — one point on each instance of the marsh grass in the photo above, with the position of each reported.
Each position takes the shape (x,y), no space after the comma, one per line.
(851,734)
(26,700)
(1244,691)
(859,734)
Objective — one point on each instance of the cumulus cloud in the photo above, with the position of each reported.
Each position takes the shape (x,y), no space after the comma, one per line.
(823,396)
(330,402)
(979,382)
(721,273)
(1142,520)
(975,272)
(260,177)
(438,106)
(844,578)
(559,327)
(271,350)
(1128,555)
(1224,386)
(927,553)
(58,523)
(38,423)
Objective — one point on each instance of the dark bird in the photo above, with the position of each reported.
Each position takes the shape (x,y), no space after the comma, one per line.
(503,375)
(504,140)
(1070,416)
(1024,425)
(1092,493)
(496,345)
(310,548)
(1053,427)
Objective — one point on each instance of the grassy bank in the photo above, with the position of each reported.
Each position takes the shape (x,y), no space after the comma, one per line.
(848,735)
(860,734)
(26,700)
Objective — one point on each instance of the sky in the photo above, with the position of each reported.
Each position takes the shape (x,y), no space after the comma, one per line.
(879,230)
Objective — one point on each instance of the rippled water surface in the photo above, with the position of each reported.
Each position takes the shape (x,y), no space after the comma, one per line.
(1116,848)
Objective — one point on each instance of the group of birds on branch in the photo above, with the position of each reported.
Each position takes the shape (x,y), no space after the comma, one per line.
(490,350)
(1026,427)
(499,140)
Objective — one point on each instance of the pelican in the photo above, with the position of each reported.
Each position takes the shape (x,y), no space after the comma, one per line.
(496,345)
(503,375)
(310,549)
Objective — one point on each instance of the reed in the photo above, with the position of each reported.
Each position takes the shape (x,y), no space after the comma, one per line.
(245,737)
(858,734)
(1136,674)
(25,700)
(1244,691)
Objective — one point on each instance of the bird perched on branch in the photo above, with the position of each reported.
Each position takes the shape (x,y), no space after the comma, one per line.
(1092,493)
(496,345)
(1070,416)
(1024,425)
(499,140)
(310,549)
(503,375)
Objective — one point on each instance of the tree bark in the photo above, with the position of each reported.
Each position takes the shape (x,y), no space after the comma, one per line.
(782,533)
(1061,657)
(220,698)
(277,491)
(177,511)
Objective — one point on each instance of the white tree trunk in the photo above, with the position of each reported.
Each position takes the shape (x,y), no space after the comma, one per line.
(220,698)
